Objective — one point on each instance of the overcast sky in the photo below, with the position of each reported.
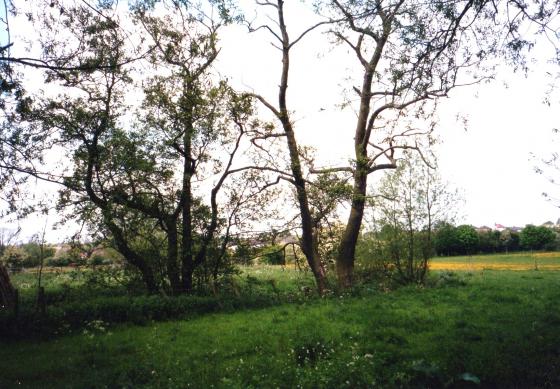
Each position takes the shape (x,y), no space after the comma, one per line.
(490,160)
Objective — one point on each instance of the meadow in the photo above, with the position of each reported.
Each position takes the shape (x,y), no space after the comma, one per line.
(471,326)
(513,261)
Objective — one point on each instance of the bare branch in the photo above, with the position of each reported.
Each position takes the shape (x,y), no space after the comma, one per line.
(266,104)
(309,30)
(332,170)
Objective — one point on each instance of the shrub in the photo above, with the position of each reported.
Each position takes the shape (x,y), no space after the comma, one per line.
(14,258)
(65,314)
(273,255)
(57,261)
(33,250)
(97,260)
(243,253)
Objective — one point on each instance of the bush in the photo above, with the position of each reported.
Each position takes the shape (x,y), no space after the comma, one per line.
(33,250)
(447,279)
(393,255)
(70,315)
(97,260)
(57,261)
(31,261)
(273,255)
(14,258)
(243,253)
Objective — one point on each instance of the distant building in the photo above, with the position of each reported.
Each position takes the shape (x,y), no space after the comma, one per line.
(483,229)
(549,224)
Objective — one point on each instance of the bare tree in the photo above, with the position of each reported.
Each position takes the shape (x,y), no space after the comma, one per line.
(284,44)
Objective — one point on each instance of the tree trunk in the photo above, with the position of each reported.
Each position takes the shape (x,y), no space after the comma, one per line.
(7,291)
(172,257)
(364,125)
(187,263)
(308,245)
(130,256)
(188,272)
(347,247)
(307,237)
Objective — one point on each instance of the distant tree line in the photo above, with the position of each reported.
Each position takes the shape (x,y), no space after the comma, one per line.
(16,257)
(466,240)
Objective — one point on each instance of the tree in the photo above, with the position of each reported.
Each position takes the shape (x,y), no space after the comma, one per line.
(410,55)
(536,237)
(549,167)
(37,250)
(123,180)
(14,258)
(446,239)
(137,177)
(468,239)
(8,294)
(23,143)
(198,122)
(85,119)
(281,112)
(489,241)
(408,204)
(512,244)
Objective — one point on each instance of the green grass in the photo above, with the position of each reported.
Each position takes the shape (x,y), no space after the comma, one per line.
(500,327)
(513,261)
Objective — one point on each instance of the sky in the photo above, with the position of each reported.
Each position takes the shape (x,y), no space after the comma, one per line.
(489,160)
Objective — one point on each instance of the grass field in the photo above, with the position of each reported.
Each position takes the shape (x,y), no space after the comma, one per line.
(486,329)
(514,261)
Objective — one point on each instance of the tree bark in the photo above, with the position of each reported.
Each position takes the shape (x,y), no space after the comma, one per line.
(187,263)
(132,257)
(307,237)
(172,256)
(364,125)
(7,291)
(347,247)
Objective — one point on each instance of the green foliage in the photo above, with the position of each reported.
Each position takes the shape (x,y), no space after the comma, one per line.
(489,241)
(446,240)
(273,255)
(509,241)
(467,239)
(96,295)
(98,259)
(57,261)
(243,253)
(411,201)
(536,238)
(14,258)
(109,279)
(33,250)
